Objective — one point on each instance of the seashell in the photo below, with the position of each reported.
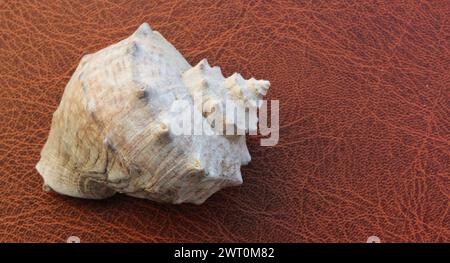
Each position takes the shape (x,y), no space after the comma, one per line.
(113,131)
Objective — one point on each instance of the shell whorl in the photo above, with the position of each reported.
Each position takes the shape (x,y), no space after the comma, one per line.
(208,85)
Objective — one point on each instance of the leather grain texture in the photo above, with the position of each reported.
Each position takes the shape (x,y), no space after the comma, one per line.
(364,110)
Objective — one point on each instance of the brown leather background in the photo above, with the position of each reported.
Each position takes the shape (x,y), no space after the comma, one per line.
(365,133)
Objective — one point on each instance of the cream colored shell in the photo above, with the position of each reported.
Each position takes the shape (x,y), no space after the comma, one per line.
(111,132)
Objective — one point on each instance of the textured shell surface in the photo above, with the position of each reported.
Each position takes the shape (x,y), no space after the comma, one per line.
(112,132)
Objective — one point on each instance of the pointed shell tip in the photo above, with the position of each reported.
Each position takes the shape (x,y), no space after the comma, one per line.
(144,29)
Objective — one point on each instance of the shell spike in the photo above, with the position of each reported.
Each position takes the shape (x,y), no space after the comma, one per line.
(143,30)
(203,64)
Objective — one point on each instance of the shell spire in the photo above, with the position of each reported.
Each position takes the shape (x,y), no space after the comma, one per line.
(208,84)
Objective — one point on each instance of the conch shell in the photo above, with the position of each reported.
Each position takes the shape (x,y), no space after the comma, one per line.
(112,130)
